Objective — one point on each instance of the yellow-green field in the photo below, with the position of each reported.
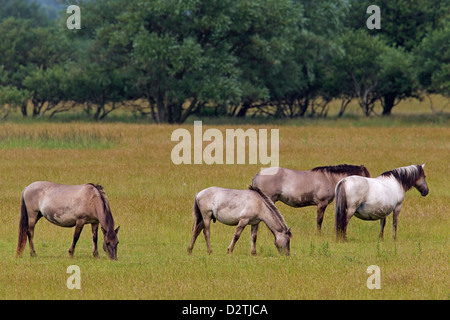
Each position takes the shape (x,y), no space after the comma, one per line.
(151,199)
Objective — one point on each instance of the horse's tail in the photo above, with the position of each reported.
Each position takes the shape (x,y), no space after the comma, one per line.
(23,227)
(196,214)
(341,208)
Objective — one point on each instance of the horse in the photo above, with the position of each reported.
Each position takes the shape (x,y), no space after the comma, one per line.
(376,198)
(67,206)
(238,207)
(305,188)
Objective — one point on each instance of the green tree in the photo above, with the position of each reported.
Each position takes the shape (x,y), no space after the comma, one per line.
(357,68)
(432,61)
(26,48)
(404,24)
(396,78)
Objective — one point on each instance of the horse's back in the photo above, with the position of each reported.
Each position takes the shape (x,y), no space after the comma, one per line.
(372,198)
(269,180)
(228,205)
(284,184)
(356,187)
(56,190)
(59,203)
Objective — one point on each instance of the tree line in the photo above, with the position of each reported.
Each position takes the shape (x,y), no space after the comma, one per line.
(169,59)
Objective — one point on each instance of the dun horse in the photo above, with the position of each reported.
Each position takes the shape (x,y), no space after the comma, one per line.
(238,207)
(67,206)
(305,188)
(374,199)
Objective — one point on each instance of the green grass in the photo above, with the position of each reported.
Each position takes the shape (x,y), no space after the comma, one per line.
(151,199)
(48,139)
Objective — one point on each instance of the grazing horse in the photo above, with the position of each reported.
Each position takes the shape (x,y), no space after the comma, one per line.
(305,188)
(238,207)
(374,199)
(67,206)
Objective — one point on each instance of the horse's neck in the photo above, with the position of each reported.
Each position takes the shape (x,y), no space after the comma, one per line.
(394,185)
(105,218)
(274,222)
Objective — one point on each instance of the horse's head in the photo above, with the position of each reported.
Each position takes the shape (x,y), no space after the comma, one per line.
(421,184)
(110,242)
(282,241)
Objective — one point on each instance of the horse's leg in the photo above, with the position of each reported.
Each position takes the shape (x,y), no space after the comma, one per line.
(207,223)
(350,213)
(94,239)
(395,220)
(33,218)
(382,224)
(321,206)
(78,228)
(254,236)
(240,227)
(196,229)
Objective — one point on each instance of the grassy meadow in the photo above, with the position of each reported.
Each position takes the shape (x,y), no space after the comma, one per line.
(151,199)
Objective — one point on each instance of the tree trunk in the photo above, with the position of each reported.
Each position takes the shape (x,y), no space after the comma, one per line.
(23,108)
(388,103)
(243,110)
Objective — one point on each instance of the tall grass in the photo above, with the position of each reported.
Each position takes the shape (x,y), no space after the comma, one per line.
(45,139)
(151,199)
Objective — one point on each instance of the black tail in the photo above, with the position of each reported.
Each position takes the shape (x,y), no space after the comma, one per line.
(23,228)
(341,209)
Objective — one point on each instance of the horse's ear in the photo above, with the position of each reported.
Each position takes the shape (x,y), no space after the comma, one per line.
(103,230)
(117,230)
(289,232)
(423,166)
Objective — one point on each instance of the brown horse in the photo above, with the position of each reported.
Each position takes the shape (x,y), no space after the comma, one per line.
(67,206)
(305,188)
(238,207)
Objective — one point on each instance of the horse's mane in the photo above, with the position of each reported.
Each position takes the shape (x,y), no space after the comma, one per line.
(270,205)
(344,168)
(406,176)
(108,215)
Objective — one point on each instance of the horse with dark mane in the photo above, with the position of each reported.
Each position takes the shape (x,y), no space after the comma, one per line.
(238,208)
(375,198)
(305,188)
(67,206)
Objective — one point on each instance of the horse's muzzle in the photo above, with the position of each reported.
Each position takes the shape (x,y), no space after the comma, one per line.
(424,192)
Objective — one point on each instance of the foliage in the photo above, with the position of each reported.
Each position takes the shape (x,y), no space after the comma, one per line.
(277,58)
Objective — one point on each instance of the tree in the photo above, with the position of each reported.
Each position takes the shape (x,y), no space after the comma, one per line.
(432,60)
(357,67)
(396,78)
(11,97)
(404,23)
(25,49)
